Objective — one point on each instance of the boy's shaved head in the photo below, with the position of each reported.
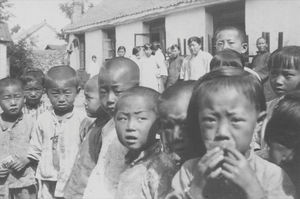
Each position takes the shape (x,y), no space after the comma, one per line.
(92,84)
(150,96)
(241,33)
(178,94)
(5,82)
(61,73)
(116,76)
(121,67)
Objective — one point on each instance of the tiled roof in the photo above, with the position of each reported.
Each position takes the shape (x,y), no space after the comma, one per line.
(4,33)
(109,11)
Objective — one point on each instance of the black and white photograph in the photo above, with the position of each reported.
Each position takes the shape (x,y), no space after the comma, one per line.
(149,99)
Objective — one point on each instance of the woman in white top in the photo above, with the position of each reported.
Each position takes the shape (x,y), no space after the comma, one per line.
(197,64)
(149,70)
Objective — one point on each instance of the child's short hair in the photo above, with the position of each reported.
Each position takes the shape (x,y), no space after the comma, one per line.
(287,57)
(176,89)
(33,75)
(122,48)
(7,81)
(284,126)
(136,50)
(259,38)
(147,93)
(155,45)
(241,33)
(61,73)
(218,79)
(147,46)
(227,57)
(172,47)
(195,39)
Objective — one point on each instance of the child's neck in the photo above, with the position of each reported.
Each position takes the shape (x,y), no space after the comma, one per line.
(32,106)
(61,115)
(10,118)
(145,148)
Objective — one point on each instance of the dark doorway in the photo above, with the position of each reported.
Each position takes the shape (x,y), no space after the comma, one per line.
(228,14)
(109,43)
(158,32)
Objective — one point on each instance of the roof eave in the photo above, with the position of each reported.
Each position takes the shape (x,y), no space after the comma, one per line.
(142,16)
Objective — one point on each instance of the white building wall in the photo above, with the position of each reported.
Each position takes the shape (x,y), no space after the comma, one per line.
(272,16)
(185,24)
(4,69)
(125,35)
(94,46)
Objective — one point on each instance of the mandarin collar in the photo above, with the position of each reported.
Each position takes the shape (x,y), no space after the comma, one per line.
(134,157)
(4,126)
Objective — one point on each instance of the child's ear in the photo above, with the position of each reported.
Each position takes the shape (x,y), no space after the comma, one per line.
(244,47)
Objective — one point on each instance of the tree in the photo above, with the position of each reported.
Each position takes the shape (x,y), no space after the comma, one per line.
(19,57)
(67,8)
(18,53)
(4,13)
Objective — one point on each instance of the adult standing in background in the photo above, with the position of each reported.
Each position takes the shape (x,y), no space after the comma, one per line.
(260,61)
(121,51)
(175,64)
(136,55)
(161,62)
(93,67)
(197,64)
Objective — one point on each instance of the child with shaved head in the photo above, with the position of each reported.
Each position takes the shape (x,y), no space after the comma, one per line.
(35,104)
(90,133)
(116,76)
(56,139)
(16,174)
(173,106)
(136,120)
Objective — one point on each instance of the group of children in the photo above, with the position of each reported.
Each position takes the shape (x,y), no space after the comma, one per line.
(215,137)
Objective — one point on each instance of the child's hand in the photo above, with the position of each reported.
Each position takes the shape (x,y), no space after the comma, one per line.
(207,165)
(237,169)
(3,172)
(19,163)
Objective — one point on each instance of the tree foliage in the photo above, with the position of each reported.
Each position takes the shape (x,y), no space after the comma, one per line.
(18,53)
(19,57)
(4,13)
(67,7)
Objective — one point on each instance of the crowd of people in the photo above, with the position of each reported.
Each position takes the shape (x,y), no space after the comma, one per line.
(195,127)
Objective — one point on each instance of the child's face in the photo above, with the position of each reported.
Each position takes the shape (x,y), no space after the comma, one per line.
(227,118)
(111,85)
(174,53)
(92,101)
(230,39)
(62,95)
(148,52)
(261,45)
(284,80)
(194,47)
(121,53)
(12,100)
(134,120)
(33,93)
(173,123)
(280,154)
